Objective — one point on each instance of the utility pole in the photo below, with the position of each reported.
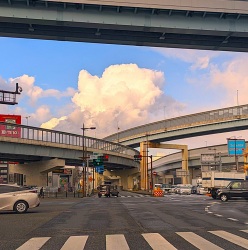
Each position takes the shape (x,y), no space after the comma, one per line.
(85,160)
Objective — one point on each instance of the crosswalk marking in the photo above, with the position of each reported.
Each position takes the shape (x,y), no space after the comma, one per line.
(78,243)
(157,242)
(34,243)
(232,238)
(198,241)
(116,241)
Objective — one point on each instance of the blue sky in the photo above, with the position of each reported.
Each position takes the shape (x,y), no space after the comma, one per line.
(68,83)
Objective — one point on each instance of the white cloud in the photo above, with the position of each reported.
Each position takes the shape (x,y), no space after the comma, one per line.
(35,92)
(124,96)
(52,122)
(199,59)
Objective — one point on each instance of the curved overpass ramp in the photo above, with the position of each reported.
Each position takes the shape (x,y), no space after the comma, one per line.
(204,123)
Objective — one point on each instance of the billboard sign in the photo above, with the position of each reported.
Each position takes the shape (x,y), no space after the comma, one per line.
(235,146)
(10,131)
(208,158)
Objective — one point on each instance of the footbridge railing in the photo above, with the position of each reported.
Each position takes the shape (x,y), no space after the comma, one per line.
(59,137)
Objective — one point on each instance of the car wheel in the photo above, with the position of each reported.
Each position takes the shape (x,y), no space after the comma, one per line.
(224,197)
(21,207)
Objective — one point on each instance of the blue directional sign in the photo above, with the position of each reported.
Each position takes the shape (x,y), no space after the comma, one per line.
(236,146)
(100,169)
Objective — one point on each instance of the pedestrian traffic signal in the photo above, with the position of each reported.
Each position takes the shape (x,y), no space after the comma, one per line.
(137,158)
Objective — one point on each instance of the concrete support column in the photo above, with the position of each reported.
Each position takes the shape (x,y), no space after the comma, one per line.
(185,179)
(143,166)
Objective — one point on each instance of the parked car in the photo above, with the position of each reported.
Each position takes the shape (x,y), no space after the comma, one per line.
(235,189)
(172,189)
(17,198)
(185,189)
(194,190)
(201,190)
(166,188)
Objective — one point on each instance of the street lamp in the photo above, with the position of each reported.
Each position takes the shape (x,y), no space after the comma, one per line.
(84,158)
(27,117)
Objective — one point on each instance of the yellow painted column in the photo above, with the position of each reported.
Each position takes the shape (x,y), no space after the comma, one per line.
(185,179)
(143,166)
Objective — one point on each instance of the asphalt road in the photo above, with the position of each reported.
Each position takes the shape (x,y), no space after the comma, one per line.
(132,221)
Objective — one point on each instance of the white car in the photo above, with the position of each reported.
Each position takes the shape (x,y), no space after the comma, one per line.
(201,190)
(185,189)
(17,198)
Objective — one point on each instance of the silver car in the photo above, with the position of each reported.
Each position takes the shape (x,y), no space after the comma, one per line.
(17,198)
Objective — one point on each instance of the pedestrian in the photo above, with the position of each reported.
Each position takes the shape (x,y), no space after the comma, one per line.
(42,192)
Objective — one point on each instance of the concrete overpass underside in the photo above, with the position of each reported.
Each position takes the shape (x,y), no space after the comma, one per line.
(211,25)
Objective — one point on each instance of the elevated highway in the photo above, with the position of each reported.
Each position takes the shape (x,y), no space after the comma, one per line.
(201,24)
(30,144)
(204,123)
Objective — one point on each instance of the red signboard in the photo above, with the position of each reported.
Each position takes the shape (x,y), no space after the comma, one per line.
(10,131)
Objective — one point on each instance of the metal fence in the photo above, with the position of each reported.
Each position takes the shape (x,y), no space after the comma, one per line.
(59,137)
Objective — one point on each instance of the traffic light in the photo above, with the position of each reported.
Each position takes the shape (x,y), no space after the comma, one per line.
(97,162)
(103,158)
(137,158)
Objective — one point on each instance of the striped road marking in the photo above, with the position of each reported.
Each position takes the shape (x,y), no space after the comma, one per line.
(78,243)
(116,241)
(157,242)
(198,241)
(34,243)
(232,238)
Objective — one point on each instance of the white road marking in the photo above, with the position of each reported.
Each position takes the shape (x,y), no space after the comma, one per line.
(157,242)
(232,219)
(116,241)
(34,243)
(198,241)
(78,243)
(232,238)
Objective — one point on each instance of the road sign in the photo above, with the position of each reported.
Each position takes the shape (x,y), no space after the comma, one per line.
(93,157)
(182,173)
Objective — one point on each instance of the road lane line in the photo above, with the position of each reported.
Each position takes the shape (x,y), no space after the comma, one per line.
(34,243)
(232,219)
(157,242)
(78,243)
(116,241)
(198,241)
(232,238)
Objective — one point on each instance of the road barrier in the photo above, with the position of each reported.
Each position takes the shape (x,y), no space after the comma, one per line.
(158,193)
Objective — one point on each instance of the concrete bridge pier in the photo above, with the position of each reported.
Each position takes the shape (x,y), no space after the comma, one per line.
(35,173)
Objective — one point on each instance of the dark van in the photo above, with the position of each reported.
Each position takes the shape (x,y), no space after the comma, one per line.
(235,189)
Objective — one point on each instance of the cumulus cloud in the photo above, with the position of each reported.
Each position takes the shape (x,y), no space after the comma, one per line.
(52,122)
(124,96)
(35,92)
(233,76)
(199,59)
